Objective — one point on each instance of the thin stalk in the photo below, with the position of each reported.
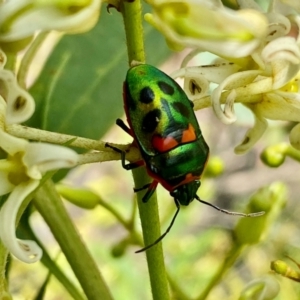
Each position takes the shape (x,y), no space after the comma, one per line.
(232,256)
(50,264)
(50,206)
(151,231)
(11,61)
(132,16)
(41,135)
(116,214)
(3,262)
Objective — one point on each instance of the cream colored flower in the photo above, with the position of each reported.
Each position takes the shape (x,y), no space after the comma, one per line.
(20,19)
(208,25)
(20,174)
(266,81)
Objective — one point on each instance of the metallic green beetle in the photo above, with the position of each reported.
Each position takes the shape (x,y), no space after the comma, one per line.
(164,127)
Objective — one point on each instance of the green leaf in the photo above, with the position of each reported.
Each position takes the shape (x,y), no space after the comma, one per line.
(79,91)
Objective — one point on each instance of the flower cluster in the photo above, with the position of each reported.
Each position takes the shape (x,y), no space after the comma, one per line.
(258,58)
(20,19)
(24,163)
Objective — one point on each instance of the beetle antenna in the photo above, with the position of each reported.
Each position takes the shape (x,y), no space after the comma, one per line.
(256,214)
(166,232)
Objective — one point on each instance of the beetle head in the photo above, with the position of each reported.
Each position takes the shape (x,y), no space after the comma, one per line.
(186,193)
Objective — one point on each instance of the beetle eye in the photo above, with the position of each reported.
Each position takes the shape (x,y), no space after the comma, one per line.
(174,193)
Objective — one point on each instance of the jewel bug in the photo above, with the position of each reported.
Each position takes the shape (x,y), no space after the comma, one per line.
(164,127)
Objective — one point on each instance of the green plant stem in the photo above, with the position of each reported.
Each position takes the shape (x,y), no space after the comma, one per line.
(3,261)
(132,16)
(177,292)
(232,256)
(116,214)
(293,153)
(50,206)
(26,231)
(105,154)
(151,231)
(41,135)
(11,61)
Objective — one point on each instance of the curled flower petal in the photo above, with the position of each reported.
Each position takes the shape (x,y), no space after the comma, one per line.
(196,79)
(216,72)
(229,106)
(195,87)
(27,251)
(277,107)
(252,135)
(20,104)
(11,144)
(279,26)
(234,80)
(42,157)
(279,48)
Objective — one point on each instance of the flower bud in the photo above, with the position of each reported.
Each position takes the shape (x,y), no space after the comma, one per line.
(271,200)
(81,197)
(265,288)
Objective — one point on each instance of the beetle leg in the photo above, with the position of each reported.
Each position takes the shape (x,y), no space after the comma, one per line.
(126,166)
(166,232)
(121,124)
(142,188)
(151,189)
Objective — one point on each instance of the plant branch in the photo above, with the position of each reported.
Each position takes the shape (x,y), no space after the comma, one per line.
(50,206)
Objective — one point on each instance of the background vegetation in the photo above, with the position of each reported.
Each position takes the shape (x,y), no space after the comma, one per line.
(208,255)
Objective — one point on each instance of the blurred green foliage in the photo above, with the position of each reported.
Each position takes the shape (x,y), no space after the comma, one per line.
(86,73)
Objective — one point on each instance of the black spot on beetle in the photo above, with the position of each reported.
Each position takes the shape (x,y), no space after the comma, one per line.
(151,120)
(182,109)
(146,95)
(166,88)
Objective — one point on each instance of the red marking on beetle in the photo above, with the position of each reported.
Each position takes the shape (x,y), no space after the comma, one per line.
(160,180)
(188,178)
(163,144)
(189,135)
(139,163)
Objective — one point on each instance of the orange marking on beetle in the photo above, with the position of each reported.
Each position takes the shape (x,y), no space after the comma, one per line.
(163,144)
(189,135)
(188,178)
